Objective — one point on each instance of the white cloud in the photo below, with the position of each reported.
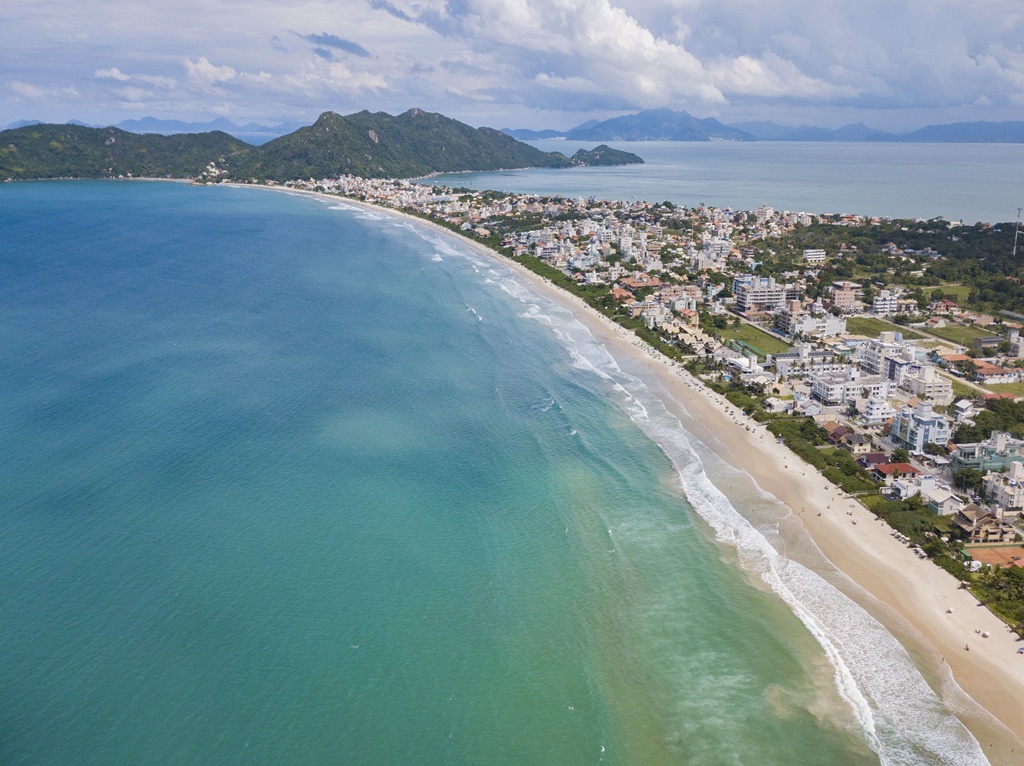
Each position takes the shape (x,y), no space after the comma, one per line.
(110,74)
(204,75)
(495,57)
(30,92)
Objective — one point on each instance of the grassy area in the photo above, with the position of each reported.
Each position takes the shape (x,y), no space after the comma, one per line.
(1017,389)
(958,293)
(758,340)
(873,502)
(961,391)
(871,327)
(960,334)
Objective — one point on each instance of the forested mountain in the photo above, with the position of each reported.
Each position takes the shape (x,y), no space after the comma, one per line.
(372,145)
(75,151)
(378,145)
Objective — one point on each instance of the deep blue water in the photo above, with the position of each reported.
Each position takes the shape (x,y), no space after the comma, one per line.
(969,182)
(285,482)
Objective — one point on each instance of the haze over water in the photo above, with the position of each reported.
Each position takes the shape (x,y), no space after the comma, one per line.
(287,482)
(969,182)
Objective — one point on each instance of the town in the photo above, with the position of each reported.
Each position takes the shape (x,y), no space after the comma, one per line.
(861,362)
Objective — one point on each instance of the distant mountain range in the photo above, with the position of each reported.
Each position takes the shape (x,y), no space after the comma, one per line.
(251,132)
(372,145)
(668,125)
(649,125)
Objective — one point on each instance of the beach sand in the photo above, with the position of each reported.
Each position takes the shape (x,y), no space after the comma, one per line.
(910,596)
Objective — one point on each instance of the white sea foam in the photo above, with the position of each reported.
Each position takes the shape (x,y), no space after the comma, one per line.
(902,718)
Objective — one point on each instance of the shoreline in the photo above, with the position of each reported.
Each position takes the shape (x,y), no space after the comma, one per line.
(984,687)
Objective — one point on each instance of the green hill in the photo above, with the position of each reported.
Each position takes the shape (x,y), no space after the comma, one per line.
(372,145)
(377,145)
(75,151)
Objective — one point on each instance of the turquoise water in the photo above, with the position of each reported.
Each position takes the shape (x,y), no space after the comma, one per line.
(287,482)
(969,182)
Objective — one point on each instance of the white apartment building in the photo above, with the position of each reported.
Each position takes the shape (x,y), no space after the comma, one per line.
(717,248)
(925,382)
(885,303)
(1006,489)
(814,256)
(762,293)
(912,428)
(873,353)
(849,386)
(877,411)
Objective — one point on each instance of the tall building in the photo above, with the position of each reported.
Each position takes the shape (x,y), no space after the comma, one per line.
(912,428)
(757,294)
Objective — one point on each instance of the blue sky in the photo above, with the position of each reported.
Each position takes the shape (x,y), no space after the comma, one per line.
(891,64)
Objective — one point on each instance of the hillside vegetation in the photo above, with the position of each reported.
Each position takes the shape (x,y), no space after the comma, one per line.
(371,145)
(75,151)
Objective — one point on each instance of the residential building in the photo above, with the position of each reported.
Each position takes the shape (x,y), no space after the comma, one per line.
(912,485)
(1006,490)
(872,355)
(991,374)
(924,382)
(858,444)
(912,428)
(993,454)
(846,296)
(980,526)
(885,303)
(890,472)
(761,294)
(877,411)
(814,256)
(942,501)
(793,321)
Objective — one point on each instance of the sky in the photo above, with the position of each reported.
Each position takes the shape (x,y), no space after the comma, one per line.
(891,64)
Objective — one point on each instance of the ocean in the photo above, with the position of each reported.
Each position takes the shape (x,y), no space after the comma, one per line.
(958,182)
(288,481)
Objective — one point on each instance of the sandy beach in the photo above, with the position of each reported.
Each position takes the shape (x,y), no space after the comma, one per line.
(919,603)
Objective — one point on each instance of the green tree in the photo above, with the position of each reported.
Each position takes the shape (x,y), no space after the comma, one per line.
(968,479)
(900,455)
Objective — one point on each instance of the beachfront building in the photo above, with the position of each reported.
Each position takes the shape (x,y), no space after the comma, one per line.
(914,427)
(1005,491)
(992,454)
(887,473)
(942,502)
(908,486)
(977,525)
